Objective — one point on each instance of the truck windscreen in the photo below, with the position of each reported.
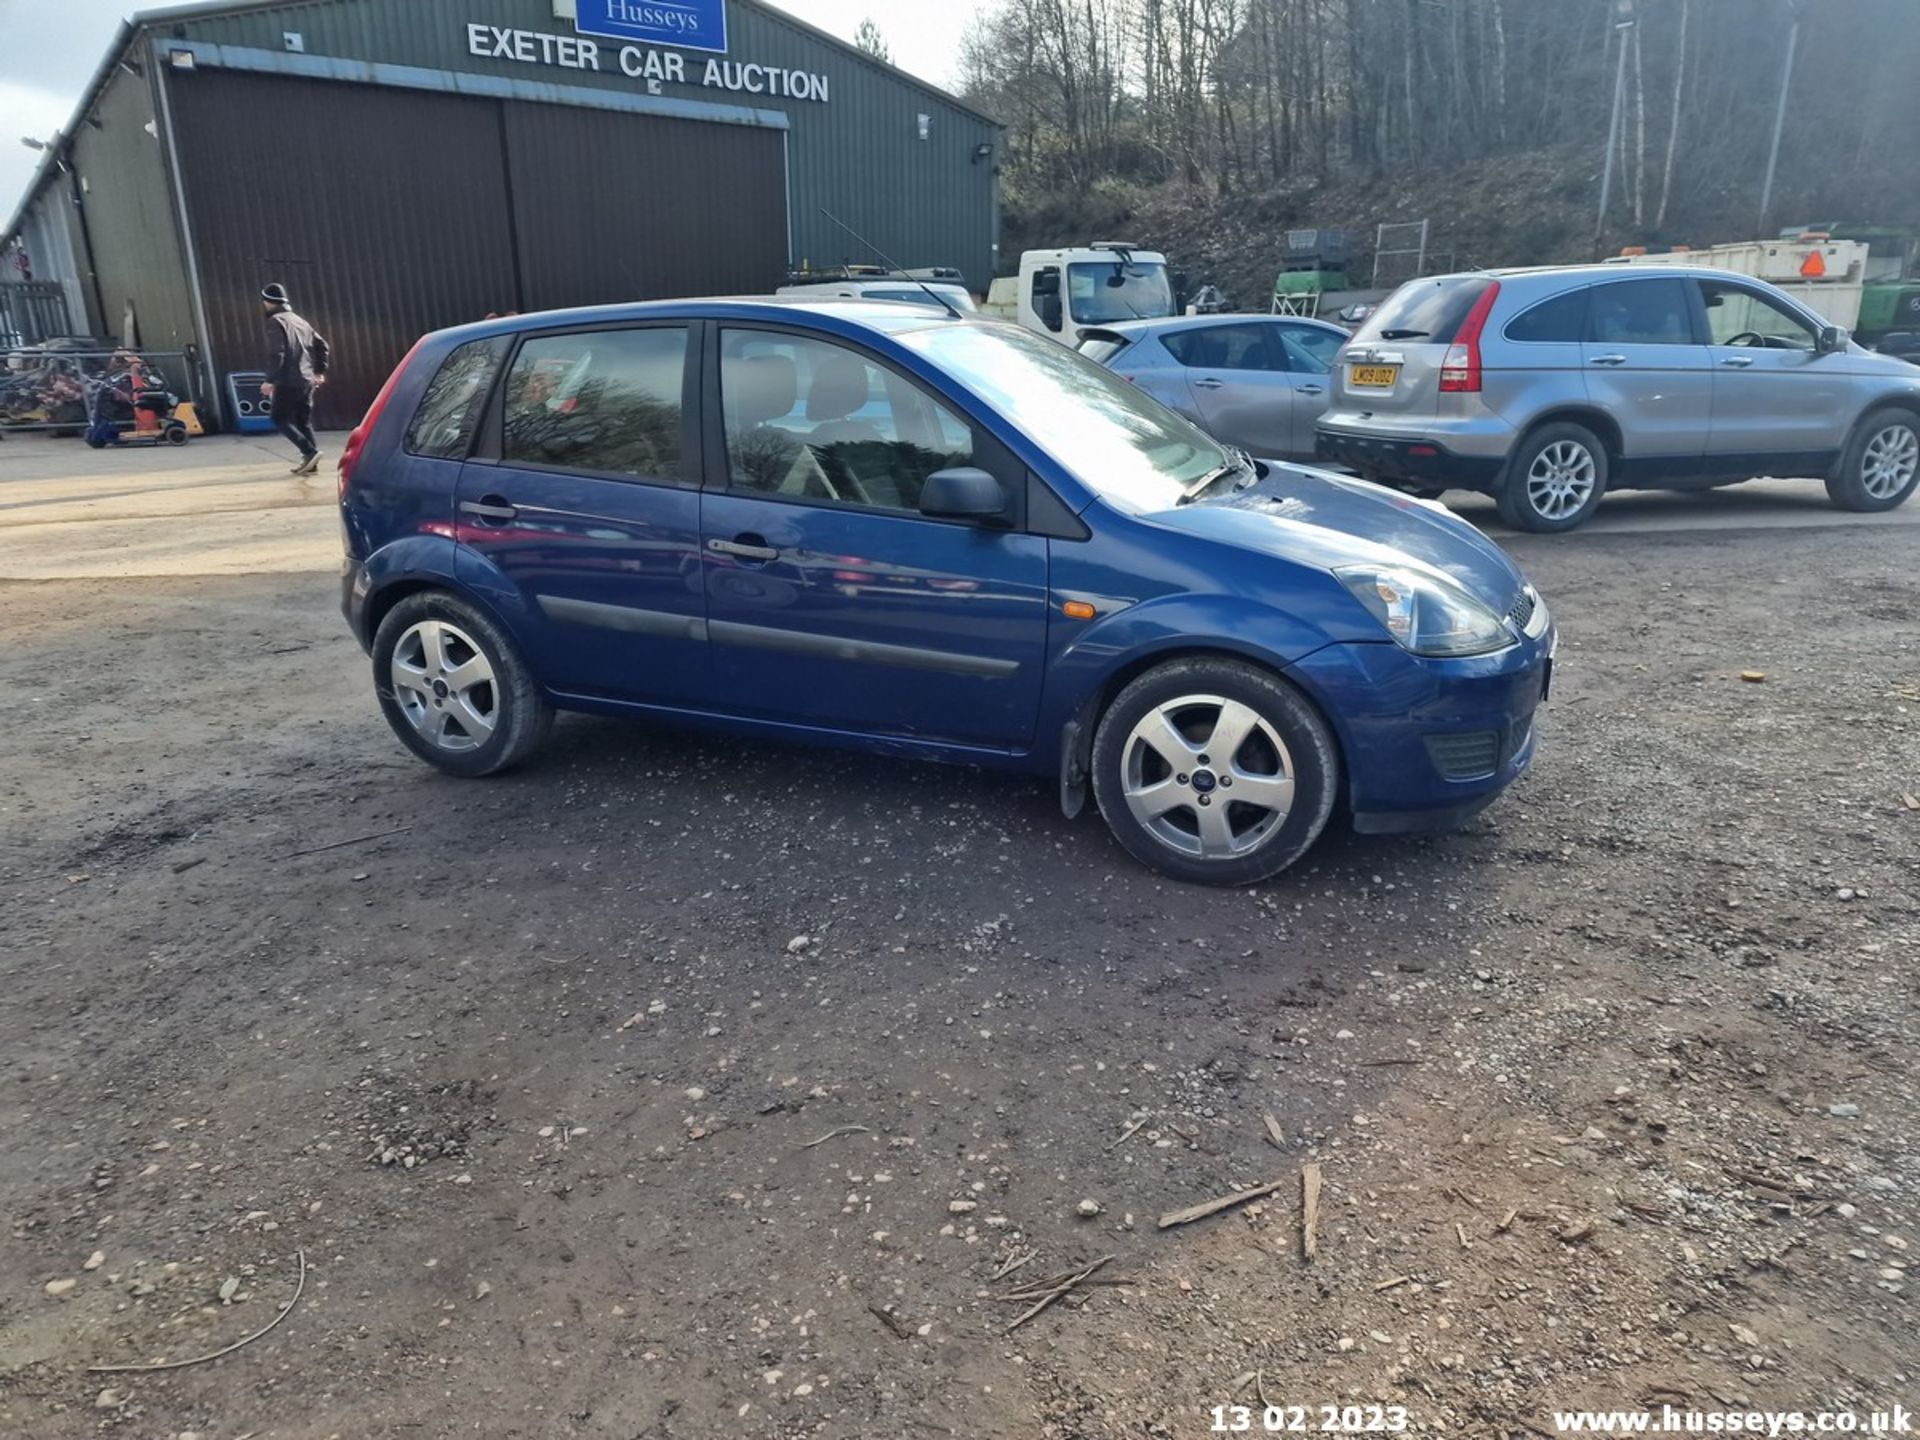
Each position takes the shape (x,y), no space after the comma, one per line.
(1100,292)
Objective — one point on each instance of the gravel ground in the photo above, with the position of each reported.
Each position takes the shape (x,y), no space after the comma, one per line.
(680,1088)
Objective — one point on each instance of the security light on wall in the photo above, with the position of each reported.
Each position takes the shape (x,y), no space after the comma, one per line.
(982,151)
(181,59)
(294,41)
(926,126)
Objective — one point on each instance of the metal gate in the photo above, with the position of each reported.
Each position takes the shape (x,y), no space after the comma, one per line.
(32,311)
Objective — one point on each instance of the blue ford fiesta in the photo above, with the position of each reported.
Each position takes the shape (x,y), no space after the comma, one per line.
(872,525)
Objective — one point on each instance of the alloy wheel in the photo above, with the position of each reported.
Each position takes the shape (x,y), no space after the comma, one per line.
(1887,465)
(1561,479)
(445,686)
(1207,776)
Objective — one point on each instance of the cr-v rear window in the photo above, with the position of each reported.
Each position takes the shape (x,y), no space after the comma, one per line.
(1425,312)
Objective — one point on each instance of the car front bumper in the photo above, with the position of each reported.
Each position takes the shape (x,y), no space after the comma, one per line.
(1429,743)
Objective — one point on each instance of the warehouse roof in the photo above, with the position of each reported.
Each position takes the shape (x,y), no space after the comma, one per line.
(174,14)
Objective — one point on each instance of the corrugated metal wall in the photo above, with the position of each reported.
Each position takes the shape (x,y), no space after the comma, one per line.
(926,202)
(130,217)
(611,207)
(383,212)
(51,229)
(488,205)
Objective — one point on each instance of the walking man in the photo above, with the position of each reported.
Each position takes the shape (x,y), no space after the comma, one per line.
(296,367)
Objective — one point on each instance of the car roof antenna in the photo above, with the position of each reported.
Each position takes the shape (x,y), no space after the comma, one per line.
(939,299)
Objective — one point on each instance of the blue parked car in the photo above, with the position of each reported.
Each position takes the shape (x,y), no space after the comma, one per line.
(863,524)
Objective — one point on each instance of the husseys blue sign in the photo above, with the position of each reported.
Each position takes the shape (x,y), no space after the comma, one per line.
(689,24)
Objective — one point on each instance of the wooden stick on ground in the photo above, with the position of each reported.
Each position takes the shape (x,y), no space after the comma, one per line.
(840,1130)
(1214,1207)
(1310,1211)
(1054,1294)
(342,844)
(1275,1133)
(299,1287)
(1128,1133)
(1012,1263)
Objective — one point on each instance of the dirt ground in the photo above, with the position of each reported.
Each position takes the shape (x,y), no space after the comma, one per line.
(683,1089)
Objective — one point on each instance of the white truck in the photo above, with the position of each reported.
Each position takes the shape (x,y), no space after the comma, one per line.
(1059,293)
(1827,276)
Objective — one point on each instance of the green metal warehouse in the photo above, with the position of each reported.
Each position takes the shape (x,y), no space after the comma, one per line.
(402,165)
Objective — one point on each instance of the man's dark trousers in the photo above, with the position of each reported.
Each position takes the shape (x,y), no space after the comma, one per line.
(292,412)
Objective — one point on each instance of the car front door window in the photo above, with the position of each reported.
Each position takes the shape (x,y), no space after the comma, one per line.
(1310,350)
(1743,317)
(809,420)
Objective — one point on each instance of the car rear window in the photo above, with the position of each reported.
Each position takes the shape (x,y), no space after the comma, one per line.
(1425,312)
(443,424)
(1103,347)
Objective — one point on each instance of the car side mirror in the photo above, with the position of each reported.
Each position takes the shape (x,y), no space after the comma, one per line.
(965,492)
(1833,338)
(1048,307)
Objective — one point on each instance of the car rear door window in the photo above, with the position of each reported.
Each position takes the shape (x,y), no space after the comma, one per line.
(808,419)
(449,412)
(1640,312)
(604,401)
(1223,347)
(1561,320)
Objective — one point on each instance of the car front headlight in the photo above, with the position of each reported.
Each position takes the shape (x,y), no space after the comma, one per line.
(1425,614)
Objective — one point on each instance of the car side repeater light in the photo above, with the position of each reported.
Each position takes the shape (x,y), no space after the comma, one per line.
(1078,610)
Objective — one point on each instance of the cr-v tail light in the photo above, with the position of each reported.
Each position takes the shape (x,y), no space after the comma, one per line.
(1460,371)
(356,442)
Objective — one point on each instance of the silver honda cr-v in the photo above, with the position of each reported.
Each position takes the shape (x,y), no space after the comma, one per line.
(1547,387)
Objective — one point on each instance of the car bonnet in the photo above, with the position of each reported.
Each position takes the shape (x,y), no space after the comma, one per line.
(1322,520)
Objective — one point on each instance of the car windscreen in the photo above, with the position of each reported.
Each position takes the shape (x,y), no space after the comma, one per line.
(1100,292)
(1425,312)
(1112,436)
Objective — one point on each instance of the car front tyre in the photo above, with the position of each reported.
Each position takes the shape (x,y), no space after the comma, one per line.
(1555,480)
(1881,465)
(455,688)
(1214,771)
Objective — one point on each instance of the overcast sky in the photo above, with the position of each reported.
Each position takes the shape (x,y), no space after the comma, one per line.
(49,48)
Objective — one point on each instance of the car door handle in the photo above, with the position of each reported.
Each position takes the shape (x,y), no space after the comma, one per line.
(1313,390)
(489,507)
(744,548)
(1608,360)
(1209,383)
(1739,362)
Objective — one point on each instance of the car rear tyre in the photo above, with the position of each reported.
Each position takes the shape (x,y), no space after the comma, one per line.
(1555,480)
(1881,465)
(1214,771)
(454,687)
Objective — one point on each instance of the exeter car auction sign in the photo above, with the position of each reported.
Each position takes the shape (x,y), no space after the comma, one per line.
(644,25)
(689,24)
